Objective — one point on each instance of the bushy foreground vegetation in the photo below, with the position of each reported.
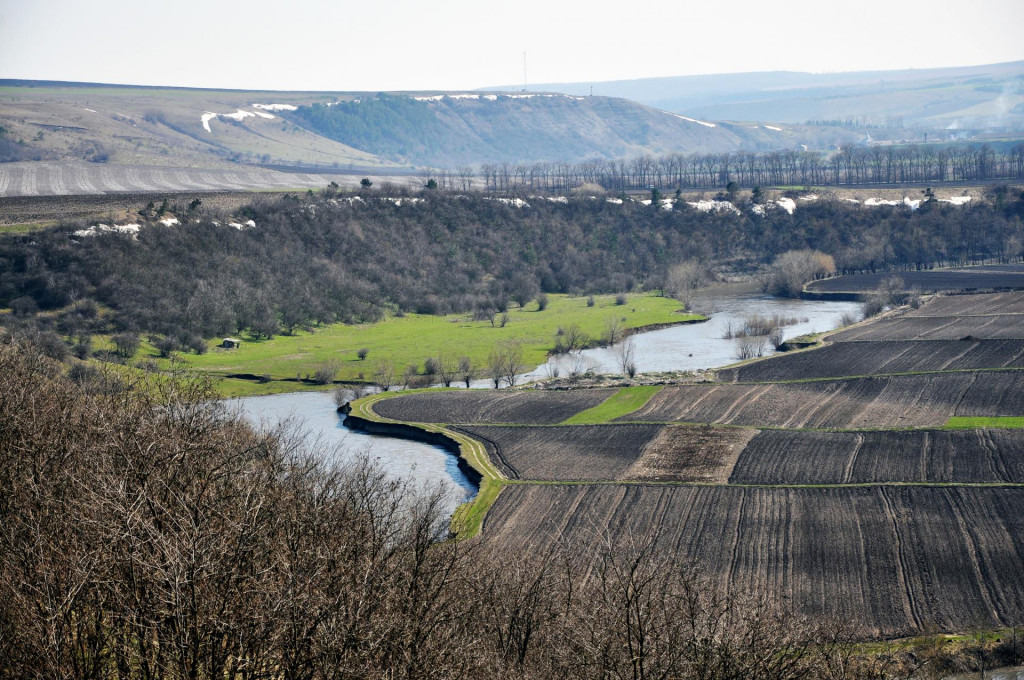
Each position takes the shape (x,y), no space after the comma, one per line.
(145,532)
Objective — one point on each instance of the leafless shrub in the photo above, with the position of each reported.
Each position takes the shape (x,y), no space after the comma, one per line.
(384,375)
(325,372)
(776,337)
(343,395)
(553,368)
(847,319)
(873,306)
(612,331)
(579,365)
(571,339)
(750,347)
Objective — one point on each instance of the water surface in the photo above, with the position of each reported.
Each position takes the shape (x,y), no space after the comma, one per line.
(702,345)
(316,415)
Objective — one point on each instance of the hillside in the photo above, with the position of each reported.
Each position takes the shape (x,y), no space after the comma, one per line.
(185,139)
(976,98)
(170,127)
(465,129)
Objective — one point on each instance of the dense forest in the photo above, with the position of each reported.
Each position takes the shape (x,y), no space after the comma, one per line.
(326,257)
(148,532)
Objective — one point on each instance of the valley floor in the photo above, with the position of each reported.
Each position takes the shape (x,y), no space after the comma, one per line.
(851,482)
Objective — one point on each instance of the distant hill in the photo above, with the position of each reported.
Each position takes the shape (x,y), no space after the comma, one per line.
(194,139)
(467,129)
(989,97)
(385,133)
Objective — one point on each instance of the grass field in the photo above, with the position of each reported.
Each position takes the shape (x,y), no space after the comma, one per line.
(972,422)
(414,337)
(625,401)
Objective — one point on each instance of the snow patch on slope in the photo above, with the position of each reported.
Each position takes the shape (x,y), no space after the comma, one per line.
(275,107)
(692,120)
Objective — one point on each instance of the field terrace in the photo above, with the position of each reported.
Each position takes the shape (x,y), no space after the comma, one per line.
(825,479)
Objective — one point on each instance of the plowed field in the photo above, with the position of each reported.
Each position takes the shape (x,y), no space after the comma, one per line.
(882,357)
(1000,326)
(988,277)
(961,305)
(613,452)
(895,401)
(898,560)
(532,407)
(937,456)
(583,452)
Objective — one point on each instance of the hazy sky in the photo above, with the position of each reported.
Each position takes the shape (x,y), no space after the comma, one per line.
(463,44)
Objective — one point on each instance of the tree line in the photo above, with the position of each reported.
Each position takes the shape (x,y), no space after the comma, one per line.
(324,258)
(148,532)
(850,165)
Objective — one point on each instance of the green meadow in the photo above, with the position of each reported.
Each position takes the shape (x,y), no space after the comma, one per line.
(412,338)
(626,400)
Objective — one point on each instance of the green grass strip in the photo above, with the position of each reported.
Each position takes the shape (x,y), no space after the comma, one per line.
(984,422)
(468,518)
(623,402)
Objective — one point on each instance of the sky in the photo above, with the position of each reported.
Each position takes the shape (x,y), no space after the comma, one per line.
(369,45)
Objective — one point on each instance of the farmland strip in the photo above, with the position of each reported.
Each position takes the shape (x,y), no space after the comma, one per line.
(925,449)
(848,471)
(864,555)
(909,605)
(996,460)
(731,579)
(973,557)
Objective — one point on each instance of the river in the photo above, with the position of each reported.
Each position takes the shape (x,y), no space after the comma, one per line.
(677,348)
(703,345)
(317,417)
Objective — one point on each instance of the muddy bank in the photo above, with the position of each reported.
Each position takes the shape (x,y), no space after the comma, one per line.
(410,432)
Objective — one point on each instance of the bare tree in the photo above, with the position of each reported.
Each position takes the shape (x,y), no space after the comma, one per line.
(792,269)
(625,356)
(446,368)
(512,364)
(466,371)
(495,368)
(612,331)
(384,375)
(683,279)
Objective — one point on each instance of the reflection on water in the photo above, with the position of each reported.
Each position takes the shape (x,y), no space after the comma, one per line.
(702,345)
(315,414)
